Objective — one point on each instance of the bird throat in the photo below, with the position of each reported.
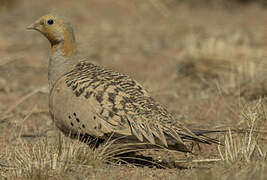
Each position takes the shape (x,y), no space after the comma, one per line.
(62,58)
(67,47)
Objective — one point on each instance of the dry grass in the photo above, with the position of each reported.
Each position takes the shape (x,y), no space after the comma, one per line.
(207,69)
(44,158)
(248,147)
(225,62)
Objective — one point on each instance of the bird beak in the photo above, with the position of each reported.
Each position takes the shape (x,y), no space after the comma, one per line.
(34,25)
(30,26)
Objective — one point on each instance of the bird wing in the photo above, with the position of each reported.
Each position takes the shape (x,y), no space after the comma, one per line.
(114,103)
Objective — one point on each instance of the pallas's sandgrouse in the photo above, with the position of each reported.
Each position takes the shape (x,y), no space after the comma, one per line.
(98,103)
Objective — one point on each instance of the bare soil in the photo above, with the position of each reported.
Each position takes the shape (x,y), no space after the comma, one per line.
(204,63)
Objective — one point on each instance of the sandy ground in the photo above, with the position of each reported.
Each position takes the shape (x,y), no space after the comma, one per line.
(178,52)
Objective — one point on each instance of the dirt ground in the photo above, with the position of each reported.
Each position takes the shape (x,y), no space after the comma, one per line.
(204,63)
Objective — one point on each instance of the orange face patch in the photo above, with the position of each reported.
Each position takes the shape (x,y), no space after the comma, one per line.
(51,35)
(57,33)
(68,45)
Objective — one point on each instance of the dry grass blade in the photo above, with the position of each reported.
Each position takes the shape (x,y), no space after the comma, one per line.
(198,160)
(157,4)
(45,157)
(8,60)
(245,147)
(21,100)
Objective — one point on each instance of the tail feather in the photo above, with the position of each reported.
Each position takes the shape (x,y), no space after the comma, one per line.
(203,138)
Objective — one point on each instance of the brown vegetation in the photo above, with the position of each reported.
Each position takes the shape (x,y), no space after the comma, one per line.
(205,63)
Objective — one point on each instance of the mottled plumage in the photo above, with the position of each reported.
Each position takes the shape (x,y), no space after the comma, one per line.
(96,102)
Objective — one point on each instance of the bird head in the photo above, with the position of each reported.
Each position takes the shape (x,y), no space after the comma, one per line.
(56,29)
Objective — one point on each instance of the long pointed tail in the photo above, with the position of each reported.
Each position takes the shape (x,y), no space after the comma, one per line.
(204,138)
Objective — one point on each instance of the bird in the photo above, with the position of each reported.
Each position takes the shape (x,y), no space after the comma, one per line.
(98,103)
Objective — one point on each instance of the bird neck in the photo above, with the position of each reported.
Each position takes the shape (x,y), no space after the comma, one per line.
(66,47)
(62,58)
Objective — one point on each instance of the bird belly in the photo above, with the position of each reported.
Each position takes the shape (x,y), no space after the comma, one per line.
(72,114)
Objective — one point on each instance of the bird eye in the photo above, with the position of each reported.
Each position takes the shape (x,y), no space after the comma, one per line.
(50,22)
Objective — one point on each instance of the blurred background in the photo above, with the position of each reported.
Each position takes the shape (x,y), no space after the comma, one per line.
(200,58)
(205,60)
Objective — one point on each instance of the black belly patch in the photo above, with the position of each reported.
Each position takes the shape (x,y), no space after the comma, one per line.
(92,141)
(74,117)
